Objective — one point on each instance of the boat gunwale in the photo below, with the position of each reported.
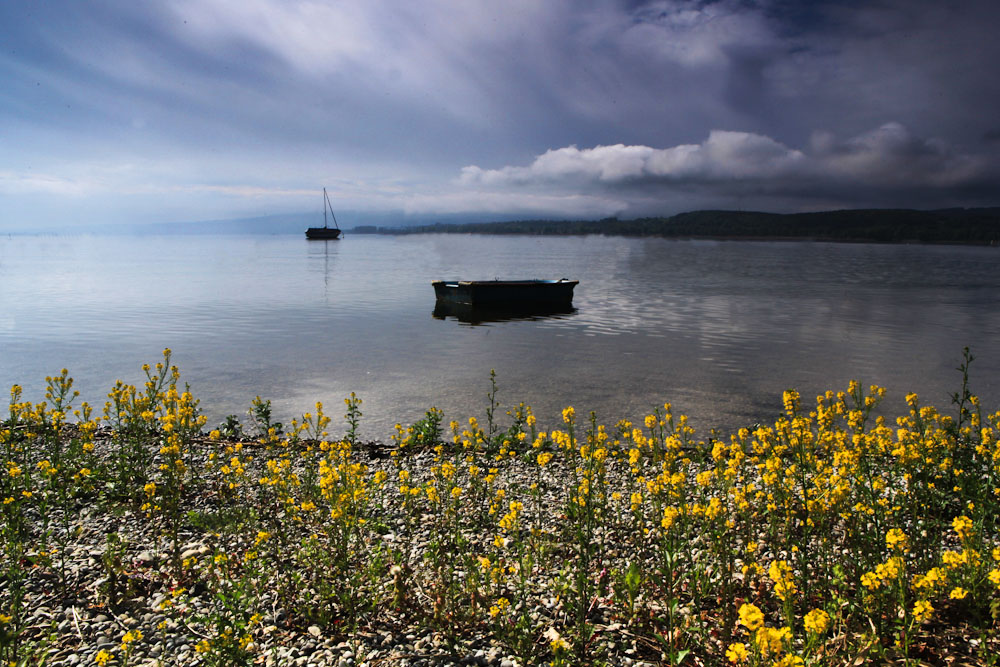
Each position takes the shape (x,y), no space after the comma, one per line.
(530,282)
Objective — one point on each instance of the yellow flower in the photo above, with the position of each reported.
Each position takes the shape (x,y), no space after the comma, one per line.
(963,527)
(895,538)
(751,616)
(817,621)
(890,569)
(922,610)
(102,657)
(636,501)
(781,574)
(737,652)
(432,494)
(953,559)
(556,642)
(670,515)
(771,641)
(958,593)
(128,639)
(791,401)
(790,660)
(568,414)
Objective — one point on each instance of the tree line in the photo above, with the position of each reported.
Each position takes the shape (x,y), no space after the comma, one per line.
(980,226)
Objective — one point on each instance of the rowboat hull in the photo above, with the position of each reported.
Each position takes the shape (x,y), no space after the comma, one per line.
(505,292)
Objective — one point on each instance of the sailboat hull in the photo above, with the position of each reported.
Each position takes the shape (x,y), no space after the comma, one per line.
(322,233)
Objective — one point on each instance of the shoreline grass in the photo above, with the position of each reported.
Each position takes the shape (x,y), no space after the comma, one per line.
(829,537)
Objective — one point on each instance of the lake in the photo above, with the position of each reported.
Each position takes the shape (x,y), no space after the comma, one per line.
(718,328)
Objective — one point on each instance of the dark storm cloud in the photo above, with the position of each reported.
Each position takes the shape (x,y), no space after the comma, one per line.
(880,167)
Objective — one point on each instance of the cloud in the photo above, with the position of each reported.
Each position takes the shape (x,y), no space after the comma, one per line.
(885,163)
(12,183)
(891,156)
(725,155)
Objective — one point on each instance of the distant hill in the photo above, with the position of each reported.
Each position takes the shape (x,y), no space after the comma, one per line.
(979,226)
(291,223)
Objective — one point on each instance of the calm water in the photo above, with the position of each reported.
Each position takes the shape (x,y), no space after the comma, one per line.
(720,329)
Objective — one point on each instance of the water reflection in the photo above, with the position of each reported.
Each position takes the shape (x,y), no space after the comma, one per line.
(479,315)
(327,249)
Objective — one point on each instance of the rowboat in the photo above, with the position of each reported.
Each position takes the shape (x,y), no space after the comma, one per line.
(509,292)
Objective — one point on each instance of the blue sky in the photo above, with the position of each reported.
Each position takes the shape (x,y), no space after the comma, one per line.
(185,110)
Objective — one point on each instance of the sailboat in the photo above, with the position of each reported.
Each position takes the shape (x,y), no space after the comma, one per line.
(325,232)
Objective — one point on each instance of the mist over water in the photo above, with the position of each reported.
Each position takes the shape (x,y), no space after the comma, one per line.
(719,329)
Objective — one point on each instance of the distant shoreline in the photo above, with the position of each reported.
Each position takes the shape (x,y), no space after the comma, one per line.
(954,226)
(978,226)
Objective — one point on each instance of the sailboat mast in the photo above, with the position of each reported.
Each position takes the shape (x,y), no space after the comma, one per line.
(324,208)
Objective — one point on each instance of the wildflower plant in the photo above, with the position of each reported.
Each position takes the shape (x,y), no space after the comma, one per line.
(834,531)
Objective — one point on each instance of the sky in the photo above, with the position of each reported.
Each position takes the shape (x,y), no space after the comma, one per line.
(120,112)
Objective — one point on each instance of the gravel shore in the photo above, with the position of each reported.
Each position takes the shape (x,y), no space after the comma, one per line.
(83,601)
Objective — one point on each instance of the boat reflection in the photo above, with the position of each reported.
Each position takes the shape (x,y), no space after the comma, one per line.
(476,315)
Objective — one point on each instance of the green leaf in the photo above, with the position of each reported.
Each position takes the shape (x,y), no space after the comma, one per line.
(632,576)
